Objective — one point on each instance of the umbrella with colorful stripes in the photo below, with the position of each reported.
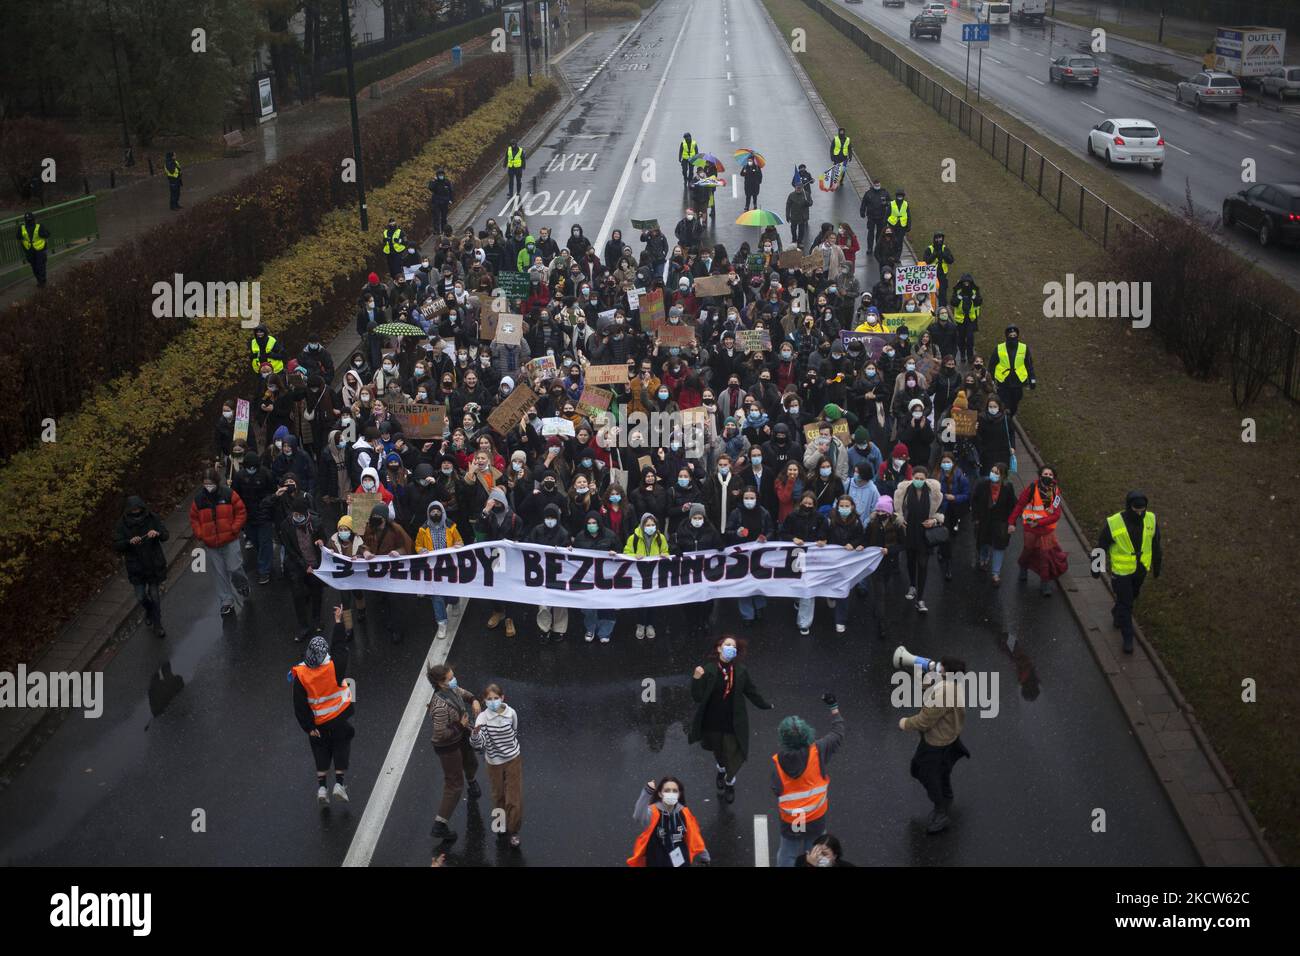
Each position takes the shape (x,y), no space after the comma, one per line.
(758,217)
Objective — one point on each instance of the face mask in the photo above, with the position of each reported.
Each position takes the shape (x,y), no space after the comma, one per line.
(888,353)
(899,463)
(724,470)
(227,415)
(683,482)
(494,704)
(786,356)
(670,799)
(946,466)
(917,415)
(250,469)
(453,683)
(388,367)
(368,485)
(824,472)
(549,522)
(757,460)
(911,366)
(794,409)
(615,499)
(517,466)
(447,472)
(918,482)
(549,484)
(844,512)
(751,502)
(345,535)
(728,652)
(755,416)
(209,488)
(421,396)
(993,409)
(580,489)
(663,395)
(650,530)
(299,519)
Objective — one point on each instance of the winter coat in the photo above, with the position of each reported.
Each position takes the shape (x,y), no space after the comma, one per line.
(216,518)
(145,562)
(742,687)
(992,518)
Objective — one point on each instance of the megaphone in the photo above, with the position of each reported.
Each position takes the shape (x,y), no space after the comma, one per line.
(906,660)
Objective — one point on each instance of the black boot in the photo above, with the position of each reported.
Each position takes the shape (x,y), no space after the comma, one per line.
(939,818)
(443,832)
(473,789)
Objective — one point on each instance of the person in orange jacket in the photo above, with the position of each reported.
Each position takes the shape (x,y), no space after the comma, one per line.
(661,810)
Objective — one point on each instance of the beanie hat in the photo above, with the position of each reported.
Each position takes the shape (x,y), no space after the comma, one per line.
(900,451)
(345,523)
(833,412)
(861,436)
(795,733)
(374,278)
(885,504)
(697,510)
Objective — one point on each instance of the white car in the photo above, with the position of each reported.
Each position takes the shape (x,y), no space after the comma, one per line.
(935,9)
(1134,142)
(1281,81)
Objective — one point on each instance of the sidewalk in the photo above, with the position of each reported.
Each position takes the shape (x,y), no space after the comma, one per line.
(130,210)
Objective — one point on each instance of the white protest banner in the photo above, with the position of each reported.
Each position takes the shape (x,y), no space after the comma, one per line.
(557,426)
(916,279)
(634,298)
(559,577)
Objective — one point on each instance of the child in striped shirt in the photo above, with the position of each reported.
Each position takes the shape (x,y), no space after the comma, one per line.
(496,735)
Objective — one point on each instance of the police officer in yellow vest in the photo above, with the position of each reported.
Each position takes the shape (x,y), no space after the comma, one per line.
(394,247)
(965,305)
(841,147)
(1131,541)
(1013,368)
(264,348)
(33,237)
(898,214)
(514,167)
(172,167)
(686,153)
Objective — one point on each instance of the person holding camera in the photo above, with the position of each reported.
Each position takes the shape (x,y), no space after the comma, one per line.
(800,782)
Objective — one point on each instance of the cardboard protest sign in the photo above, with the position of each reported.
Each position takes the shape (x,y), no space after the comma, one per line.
(712,285)
(652,309)
(557,426)
(839,429)
(506,415)
(418,420)
(812,262)
(617,476)
(753,340)
(928,366)
(790,258)
(487,325)
(360,504)
(541,369)
(634,298)
(242,410)
(912,279)
(643,463)
(644,224)
(606,375)
(509,330)
(594,399)
(409,272)
(681,336)
(965,421)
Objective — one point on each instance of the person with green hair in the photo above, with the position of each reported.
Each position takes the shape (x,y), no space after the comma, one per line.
(800,782)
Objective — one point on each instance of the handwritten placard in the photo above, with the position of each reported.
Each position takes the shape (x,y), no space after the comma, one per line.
(914,279)
(506,415)
(360,504)
(753,340)
(712,285)
(790,258)
(652,308)
(680,336)
(509,330)
(242,410)
(418,420)
(606,375)
(594,399)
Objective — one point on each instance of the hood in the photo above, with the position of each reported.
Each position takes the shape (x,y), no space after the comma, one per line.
(373,475)
(551,511)
(499,496)
(1134,499)
(576,230)
(132,503)
(428,514)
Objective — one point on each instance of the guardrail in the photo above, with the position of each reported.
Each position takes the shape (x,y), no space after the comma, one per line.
(1080,206)
(71,225)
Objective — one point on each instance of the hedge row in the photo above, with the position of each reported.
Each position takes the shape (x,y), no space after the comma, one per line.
(408,54)
(59,501)
(97,322)
(616,9)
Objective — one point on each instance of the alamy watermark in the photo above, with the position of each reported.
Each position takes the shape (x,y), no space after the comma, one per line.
(654,430)
(77,909)
(1098,300)
(71,690)
(978,689)
(195,300)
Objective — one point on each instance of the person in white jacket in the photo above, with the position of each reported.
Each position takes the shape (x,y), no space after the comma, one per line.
(916,505)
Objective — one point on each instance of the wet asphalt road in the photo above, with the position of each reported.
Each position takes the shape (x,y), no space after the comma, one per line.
(203,721)
(1205,149)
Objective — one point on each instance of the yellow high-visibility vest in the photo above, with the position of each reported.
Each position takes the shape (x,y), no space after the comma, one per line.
(514,157)
(1004,364)
(393,241)
(173,173)
(931,256)
(1122,559)
(898,213)
(840,150)
(260,355)
(688,150)
(36,240)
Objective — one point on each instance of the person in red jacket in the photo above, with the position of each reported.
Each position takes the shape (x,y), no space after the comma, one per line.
(1040,506)
(217,515)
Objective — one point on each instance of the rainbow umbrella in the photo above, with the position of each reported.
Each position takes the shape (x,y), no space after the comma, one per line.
(758,217)
(744,154)
(705,158)
(711,181)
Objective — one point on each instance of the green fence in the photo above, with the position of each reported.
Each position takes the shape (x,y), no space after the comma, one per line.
(71,225)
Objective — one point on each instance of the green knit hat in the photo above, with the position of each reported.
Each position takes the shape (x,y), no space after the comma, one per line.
(861,436)
(833,412)
(795,733)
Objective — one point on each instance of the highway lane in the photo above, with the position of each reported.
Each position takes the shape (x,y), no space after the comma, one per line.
(1206,150)
(203,719)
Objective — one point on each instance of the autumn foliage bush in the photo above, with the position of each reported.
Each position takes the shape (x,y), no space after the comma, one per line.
(59,501)
(97,322)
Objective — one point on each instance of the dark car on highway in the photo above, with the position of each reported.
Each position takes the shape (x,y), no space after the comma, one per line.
(924,25)
(1074,69)
(893,3)
(1272,212)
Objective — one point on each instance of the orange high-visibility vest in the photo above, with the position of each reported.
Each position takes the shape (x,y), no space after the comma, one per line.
(803,797)
(1036,512)
(694,840)
(325,695)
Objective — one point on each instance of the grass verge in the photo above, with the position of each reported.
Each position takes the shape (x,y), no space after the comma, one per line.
(1113,412)
(1181,44)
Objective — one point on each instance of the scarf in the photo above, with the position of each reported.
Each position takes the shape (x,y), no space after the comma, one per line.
(438,532)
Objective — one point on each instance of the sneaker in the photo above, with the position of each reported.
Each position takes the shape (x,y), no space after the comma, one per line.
(322,796)
(997,580)
(920,606)
(264,579)
(442,631)
(649,632)
(474,790)
(441,831)
(589,636)
(910,595)
(248,546)
(514,841)
(722,780)
(227,610)
(510,628)
(495,619)
(938,822)
(243,588)
(640,632)
(729,793)
(804,632)
(340,792)
(605,639)
(839,628)
(545,637)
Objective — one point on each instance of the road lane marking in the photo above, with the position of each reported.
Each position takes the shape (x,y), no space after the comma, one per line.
(1243,135)
(1281,149)
(1179,148)
(576,43)
(731,100)
(761,857)
(998,62)
(733,134)
(1036,53)
(1093,108)
(640,136)
(389,778)
(1035,79)
(734,194)
(728,74)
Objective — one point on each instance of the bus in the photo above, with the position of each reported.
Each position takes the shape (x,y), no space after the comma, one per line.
(996,13)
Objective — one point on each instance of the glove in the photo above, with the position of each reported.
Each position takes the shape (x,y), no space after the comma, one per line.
(1033,383)
(829,700)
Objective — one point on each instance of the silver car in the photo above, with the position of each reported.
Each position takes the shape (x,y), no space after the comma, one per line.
(1281,81)
(1210,89)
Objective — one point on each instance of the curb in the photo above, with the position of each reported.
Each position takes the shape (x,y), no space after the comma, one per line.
(1145,44)
(1198,803)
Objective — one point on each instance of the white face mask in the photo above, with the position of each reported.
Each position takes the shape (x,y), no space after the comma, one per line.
(550,522)
(388,367)
(697,522)
(368,485)
(669,798)
(228,415)
(899,463)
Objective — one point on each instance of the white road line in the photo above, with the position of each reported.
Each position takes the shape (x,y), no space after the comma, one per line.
(576,43)
(731,100)
(1094,109)
(998,62)
(1210,121)
(1281,149)
(366,837)
(1179,148)
(1036,53)
(761,857)
(728,74)
(640,137)
(734,194)
(1242,135)
(733,134)
(1035,79)
(728,55)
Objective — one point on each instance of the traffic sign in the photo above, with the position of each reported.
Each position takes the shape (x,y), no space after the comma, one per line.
(976,34)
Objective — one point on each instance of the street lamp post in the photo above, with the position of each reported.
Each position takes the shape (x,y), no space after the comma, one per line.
(352,104)
(584,16)
(127,158)
(528,39)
